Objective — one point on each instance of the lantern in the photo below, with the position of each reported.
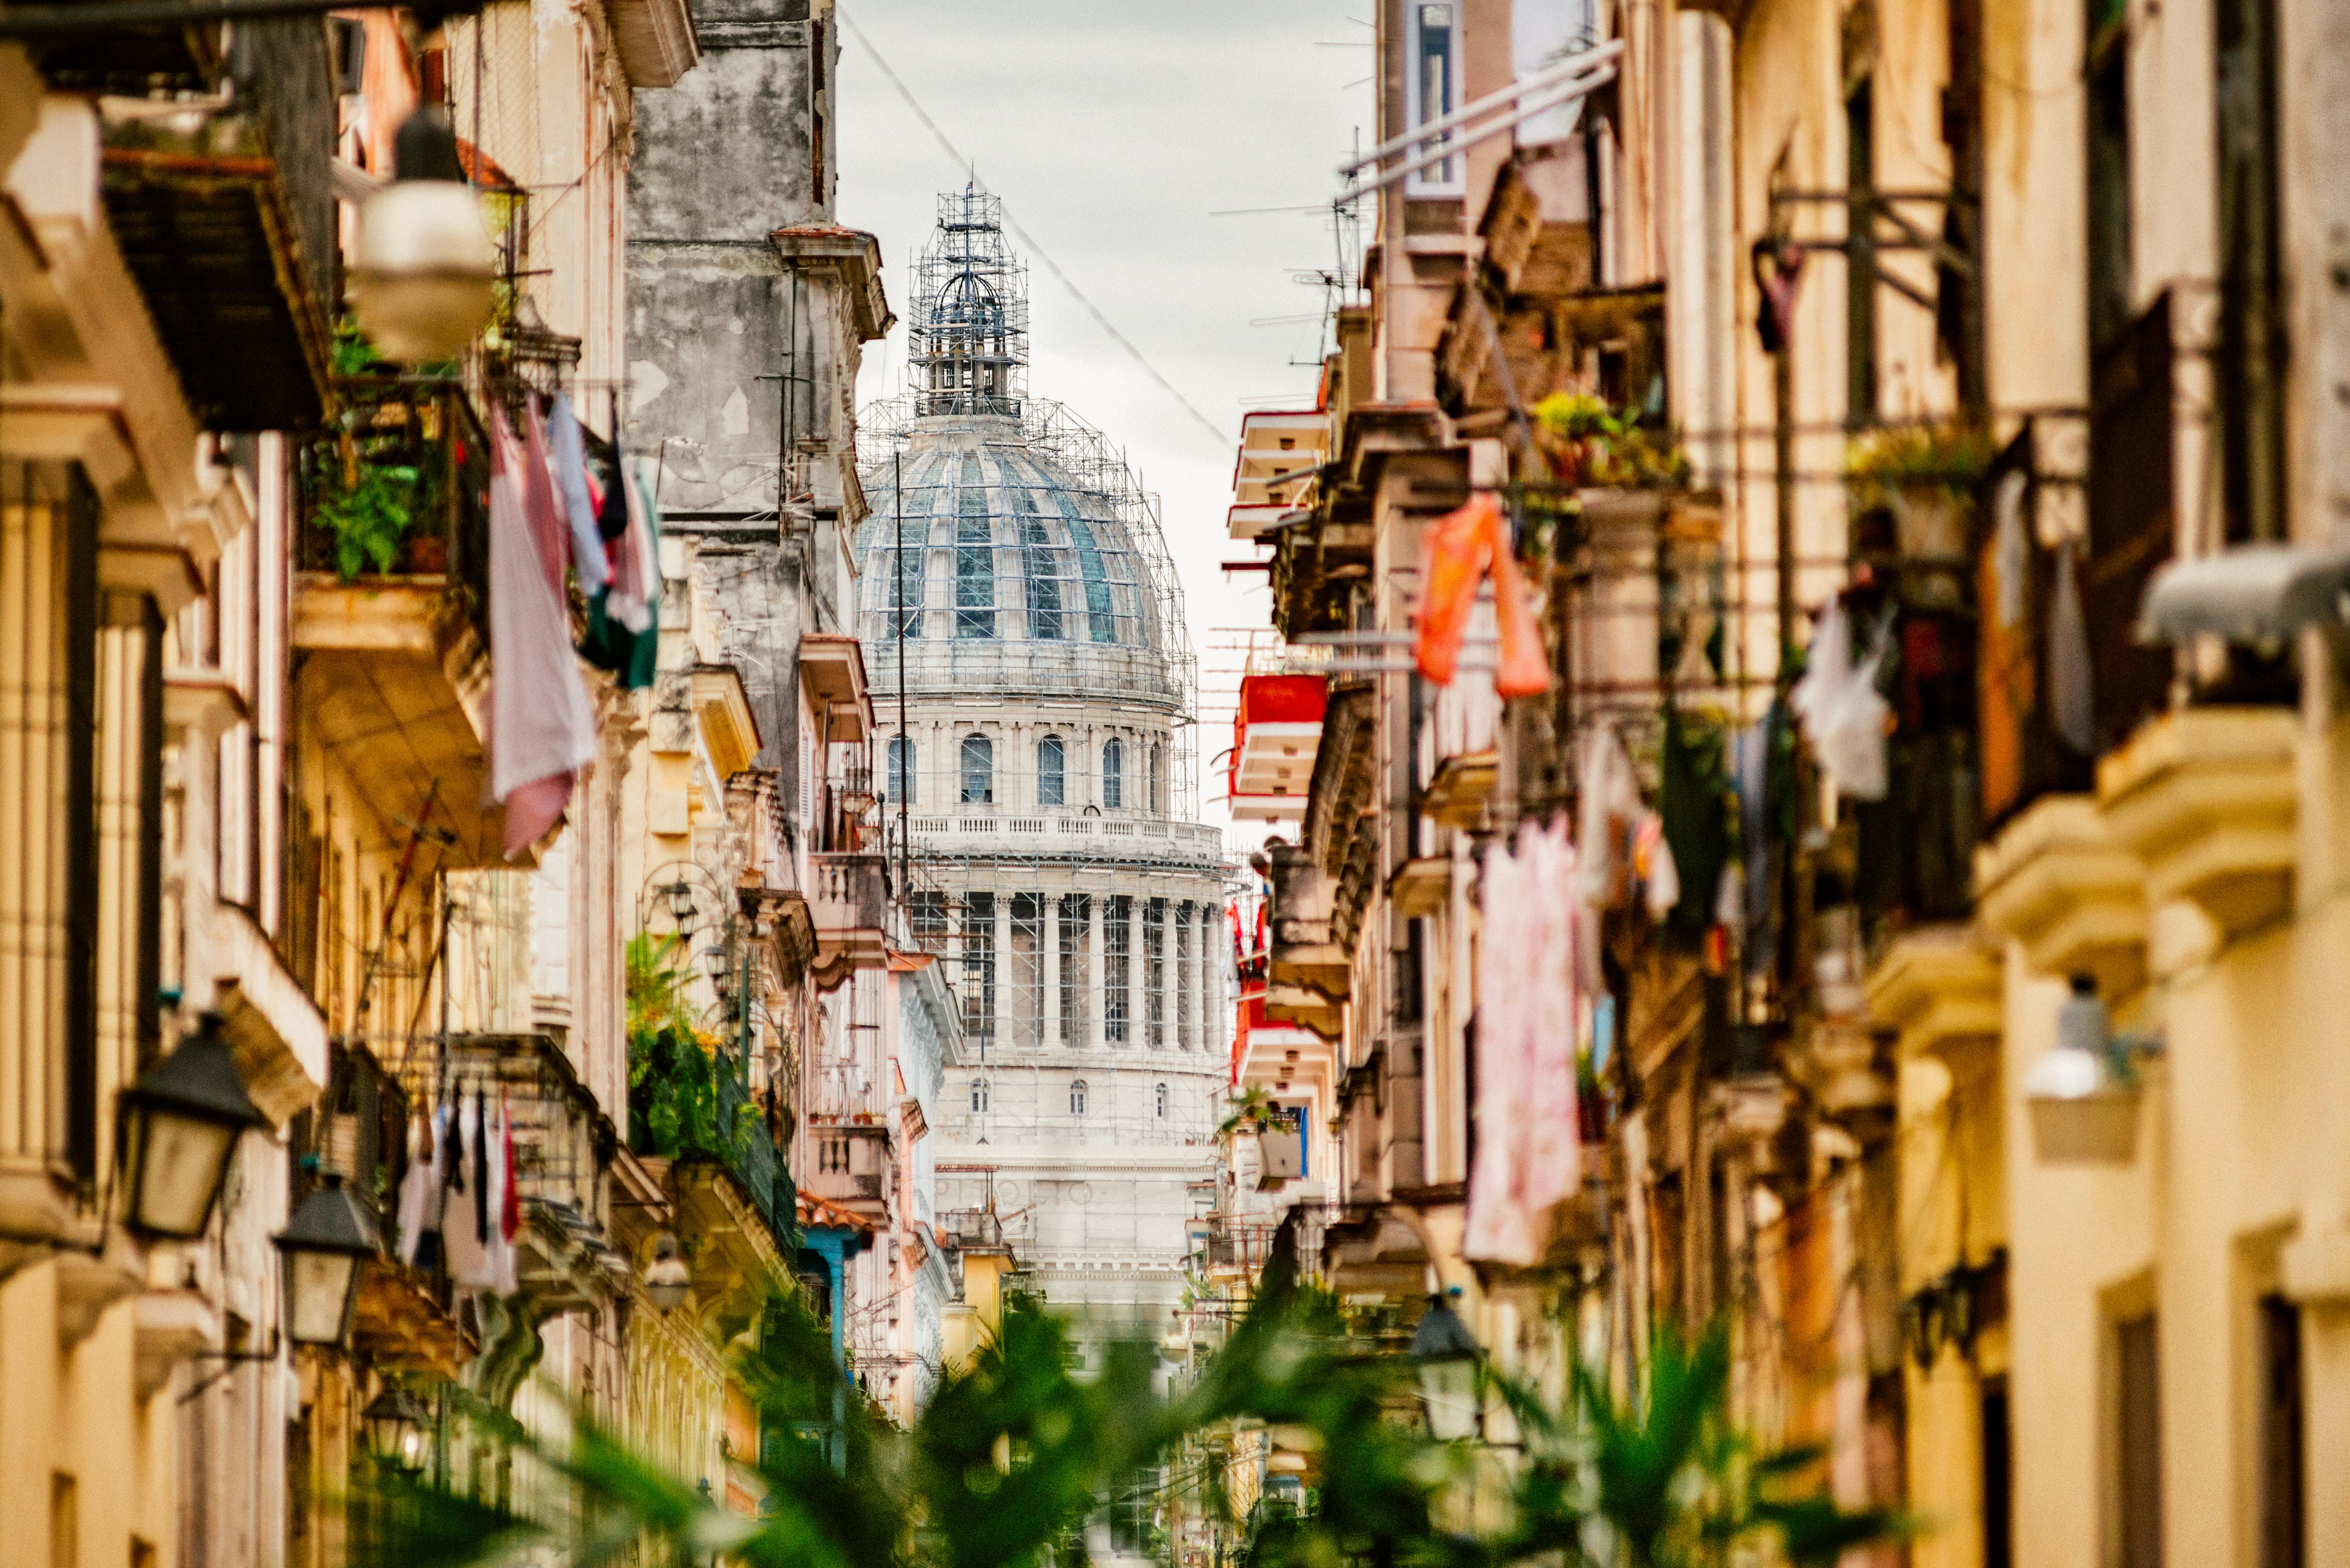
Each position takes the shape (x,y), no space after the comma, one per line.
(179,1124)
(422,275)
(1445,1354)
(666,1280)
(322,1248)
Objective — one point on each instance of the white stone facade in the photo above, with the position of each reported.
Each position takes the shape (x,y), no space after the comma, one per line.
(1031,683)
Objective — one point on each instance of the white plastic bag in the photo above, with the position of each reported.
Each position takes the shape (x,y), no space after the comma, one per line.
(1842,712)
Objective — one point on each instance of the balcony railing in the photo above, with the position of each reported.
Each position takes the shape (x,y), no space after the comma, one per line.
(399,487)
(752,1156)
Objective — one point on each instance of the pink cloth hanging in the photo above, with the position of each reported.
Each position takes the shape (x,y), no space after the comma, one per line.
(542,727)
(1529,1139)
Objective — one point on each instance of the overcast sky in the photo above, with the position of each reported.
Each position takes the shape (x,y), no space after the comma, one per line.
(1112,129)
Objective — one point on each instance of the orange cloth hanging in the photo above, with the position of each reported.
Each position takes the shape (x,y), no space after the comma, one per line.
(1462,545)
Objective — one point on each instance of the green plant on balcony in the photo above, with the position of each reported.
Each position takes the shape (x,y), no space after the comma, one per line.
(1925,475)
(1590,443)
(677,1105)
(369,515)
(1253,1110)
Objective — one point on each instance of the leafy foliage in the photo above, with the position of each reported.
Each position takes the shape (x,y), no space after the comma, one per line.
(370,516)
(1885,463)
(1589,442)
(1014,1453)
(674,1106)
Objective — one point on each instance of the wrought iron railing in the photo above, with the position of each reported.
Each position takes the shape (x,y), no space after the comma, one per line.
(752,1154)
(405,467)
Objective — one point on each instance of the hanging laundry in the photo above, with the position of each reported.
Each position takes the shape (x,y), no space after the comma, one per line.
(1608,803)
(1659,873)
(568,450)
(1529,1142)
(504,1213)
(1693,800)
(2072,693)
(1843,713)
(418,1189)
(542,728)
(1463,546)
(465,1228)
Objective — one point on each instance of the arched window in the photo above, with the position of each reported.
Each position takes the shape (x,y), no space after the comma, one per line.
(978,771)
(1163,1099)
(1077,1097)
(1113,773)
(1154,799)
(902,768)
(978,1095)
(1051,772)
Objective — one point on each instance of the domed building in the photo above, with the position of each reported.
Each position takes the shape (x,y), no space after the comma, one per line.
(1033,682)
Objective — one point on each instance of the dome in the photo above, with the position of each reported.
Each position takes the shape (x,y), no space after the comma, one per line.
(1011,570)
(1007,547)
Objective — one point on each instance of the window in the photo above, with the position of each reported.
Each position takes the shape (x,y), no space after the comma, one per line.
(903,590)
(1042,566)
(1077,1097)
(1113,773)
(2284,1504)
(979,965)
(901,769)
(1432,91)
(2107,80)
(2248,372)
(974,558)
(1860,225)
(978,771)
(2138,1443)
(1052,788)
(1117,950)
(978,1095)
(1154,971)
(1155,797)
(1159,1097)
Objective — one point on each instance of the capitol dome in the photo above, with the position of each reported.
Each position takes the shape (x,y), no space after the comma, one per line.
(1011,552)
(1032,680)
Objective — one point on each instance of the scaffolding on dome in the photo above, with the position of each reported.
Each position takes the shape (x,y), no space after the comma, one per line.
(967,346)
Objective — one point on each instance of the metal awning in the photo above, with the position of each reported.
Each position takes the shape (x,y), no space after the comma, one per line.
(2252,593)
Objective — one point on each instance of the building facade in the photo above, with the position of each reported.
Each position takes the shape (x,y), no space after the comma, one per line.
(1031,675)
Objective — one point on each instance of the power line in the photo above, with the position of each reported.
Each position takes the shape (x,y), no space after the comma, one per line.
(1024,237)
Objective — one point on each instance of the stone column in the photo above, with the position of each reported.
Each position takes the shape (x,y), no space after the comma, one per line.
(1048,941)
(34,850)
(1002,1016)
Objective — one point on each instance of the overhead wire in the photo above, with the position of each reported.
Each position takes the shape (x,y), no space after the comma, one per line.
(1024,237)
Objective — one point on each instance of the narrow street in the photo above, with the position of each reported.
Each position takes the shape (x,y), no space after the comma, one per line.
(1366,784)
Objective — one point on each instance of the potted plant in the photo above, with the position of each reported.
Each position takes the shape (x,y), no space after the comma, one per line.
(1925,475)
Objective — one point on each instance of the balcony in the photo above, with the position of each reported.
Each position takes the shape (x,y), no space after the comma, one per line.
(852,1167)
(693,1106)
(1939,988)
(2208,799)
(832,676)
(391,606)
(848,901)
(230,233)
(1276,477)
(1275,734)
(2059,882)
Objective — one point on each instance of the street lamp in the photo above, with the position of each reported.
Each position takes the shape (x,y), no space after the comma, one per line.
(680,893)
(422,275)
(666,1280)
(180,1122)
(1445,1354)
(395,1421)
(322,1247)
